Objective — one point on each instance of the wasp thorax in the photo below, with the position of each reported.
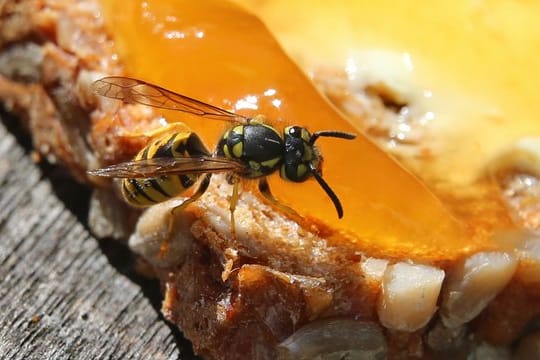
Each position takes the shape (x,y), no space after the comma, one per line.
(299,154)
(258,146)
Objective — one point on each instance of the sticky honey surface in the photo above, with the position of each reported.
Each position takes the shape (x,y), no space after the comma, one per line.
(478,60)
(218,53)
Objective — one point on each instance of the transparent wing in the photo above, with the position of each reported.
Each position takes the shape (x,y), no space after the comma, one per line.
(168,166)
(135,91)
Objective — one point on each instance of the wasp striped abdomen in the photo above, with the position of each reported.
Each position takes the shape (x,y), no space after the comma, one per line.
(149,191)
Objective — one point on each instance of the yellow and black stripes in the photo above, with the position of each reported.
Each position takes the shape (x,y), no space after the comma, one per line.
(150,191)
(182,144)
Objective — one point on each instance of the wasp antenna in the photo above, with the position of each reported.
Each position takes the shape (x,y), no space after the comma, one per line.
(331,194)
(332,133)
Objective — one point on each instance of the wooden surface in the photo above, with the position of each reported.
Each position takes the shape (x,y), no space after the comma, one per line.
(64,294)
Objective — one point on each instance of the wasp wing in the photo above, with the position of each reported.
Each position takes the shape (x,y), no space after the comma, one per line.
(133,91)
(155,167)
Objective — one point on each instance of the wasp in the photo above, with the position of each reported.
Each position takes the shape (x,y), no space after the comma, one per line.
(248,149)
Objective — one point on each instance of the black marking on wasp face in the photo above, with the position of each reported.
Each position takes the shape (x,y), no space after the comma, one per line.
(250,149)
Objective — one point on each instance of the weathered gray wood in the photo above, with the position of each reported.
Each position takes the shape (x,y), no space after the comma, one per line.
(62,293)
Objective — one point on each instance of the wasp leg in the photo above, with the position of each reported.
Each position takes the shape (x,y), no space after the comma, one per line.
(232,207)
(264,189)
(203,186)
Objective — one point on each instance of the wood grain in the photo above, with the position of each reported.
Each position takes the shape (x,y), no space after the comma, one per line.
(64,294)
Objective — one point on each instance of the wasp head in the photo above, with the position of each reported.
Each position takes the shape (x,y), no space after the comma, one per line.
(302,159)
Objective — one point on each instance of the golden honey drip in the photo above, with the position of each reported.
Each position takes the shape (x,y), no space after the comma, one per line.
(218,53)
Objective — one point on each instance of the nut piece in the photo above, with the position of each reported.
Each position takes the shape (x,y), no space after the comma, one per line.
(335,339)
(153,227)
(409,296)
(473,283)
(374,268)
(109,216)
